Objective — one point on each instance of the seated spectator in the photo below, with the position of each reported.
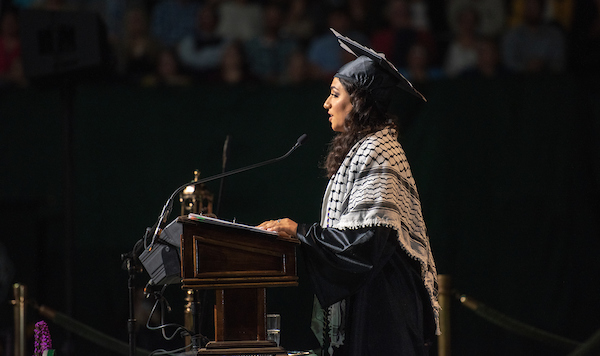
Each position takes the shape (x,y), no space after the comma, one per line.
(324,52)
(201,52)
(488,61)
(268,54)
(556,12)
(234,66)
(298,69)
(419,69)
(167,72)
(462,51)
(358,10)
(491,14)
(137,51)
(298,23)
(112,13)
(240,19)
(420,14)
(400,34)
(172,20)
(11,67)
(534,46)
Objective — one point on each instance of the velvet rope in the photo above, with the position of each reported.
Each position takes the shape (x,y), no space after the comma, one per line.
(516,326)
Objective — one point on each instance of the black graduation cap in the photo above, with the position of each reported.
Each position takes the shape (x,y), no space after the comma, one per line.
(372,71)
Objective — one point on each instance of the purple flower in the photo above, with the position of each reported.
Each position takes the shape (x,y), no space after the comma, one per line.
(43,341)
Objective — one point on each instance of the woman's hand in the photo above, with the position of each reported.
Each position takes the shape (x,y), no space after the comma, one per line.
(284,227)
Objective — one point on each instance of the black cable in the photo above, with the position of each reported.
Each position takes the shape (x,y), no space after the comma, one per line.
(169,352)
(161,300)
(181,330)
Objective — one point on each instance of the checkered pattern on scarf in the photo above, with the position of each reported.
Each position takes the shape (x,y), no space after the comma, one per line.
(374,186)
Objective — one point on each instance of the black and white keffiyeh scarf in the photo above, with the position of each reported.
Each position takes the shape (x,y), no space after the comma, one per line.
(374,186)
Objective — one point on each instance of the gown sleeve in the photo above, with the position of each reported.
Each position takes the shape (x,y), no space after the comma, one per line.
(341,261)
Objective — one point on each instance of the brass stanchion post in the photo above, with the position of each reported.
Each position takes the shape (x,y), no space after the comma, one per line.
(20,293)
(445,297)
(188,314)
(197,200)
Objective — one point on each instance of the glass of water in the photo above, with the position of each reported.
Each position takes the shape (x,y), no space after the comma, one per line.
(274,328)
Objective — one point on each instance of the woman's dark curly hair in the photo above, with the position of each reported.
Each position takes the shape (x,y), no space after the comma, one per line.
(364,118)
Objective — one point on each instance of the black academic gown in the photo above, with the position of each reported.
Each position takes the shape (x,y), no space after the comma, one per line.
(387,307)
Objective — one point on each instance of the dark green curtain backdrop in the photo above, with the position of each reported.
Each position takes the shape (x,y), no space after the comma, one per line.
(507,171)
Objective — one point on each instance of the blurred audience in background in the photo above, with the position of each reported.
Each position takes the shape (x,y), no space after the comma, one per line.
(358,11)
(556,12)
(299,70)
(11,68)
(201,51)
(324,53)
(491,15)
(172,20)
(488,60)
(136,51)
(268,53)
(289,42)
(55,5)
(418,68)
(240,19)
(462,51)
(234,66)
(400,34)
(167,71)
(534,45)
(113,13)
(420,15)
(298,24)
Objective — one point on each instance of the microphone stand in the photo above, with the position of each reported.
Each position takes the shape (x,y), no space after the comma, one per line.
(129,264)
(169,204)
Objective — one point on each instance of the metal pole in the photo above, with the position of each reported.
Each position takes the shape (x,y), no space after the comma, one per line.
(188,313)
(67,98)
(445,297)
(131,327)
(20,292)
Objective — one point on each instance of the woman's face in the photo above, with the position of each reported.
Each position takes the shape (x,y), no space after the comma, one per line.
(338,105)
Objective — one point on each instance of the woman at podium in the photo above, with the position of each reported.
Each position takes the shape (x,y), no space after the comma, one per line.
(369,258)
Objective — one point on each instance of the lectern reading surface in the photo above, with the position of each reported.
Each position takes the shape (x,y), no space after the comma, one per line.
(239,262)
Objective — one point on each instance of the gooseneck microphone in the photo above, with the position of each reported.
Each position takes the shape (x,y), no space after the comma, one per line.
(169,204)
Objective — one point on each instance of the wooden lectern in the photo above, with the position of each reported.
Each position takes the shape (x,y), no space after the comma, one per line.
(239,262)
